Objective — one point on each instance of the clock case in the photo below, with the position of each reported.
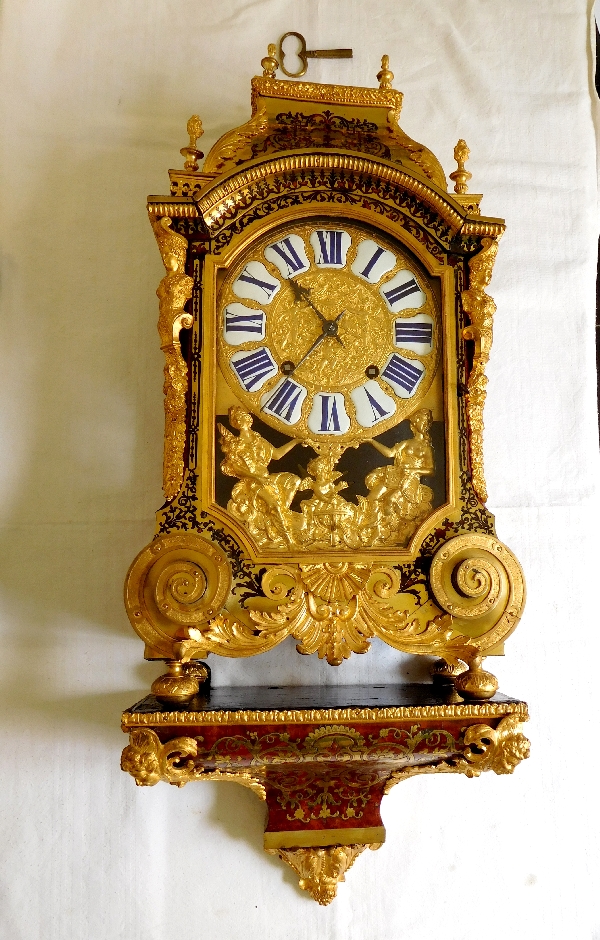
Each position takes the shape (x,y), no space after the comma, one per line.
(454,592)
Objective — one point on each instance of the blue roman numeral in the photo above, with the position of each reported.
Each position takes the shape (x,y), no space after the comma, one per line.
(413,333)
(329,414)
(265,286)
(253,367)
(330,244)
(288,253)
(244,322)
(283,402)
(403,290)
(402,373)
(370,264)
(378,411)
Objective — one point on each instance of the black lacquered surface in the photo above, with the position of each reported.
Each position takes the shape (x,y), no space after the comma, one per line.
(271,698)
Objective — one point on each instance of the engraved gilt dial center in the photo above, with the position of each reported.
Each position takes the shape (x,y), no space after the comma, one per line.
(359,337)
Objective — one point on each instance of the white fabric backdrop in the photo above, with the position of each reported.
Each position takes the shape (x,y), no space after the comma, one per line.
(96,96)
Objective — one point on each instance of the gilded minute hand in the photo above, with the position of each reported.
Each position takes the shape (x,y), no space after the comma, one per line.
(318,340)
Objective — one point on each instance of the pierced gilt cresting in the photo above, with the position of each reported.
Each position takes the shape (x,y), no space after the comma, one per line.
(326,328)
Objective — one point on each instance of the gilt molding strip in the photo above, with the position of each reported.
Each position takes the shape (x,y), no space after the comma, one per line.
(224,195)
(309,716)
(266,87)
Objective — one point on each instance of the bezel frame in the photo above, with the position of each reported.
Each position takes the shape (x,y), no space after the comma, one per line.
(214,268)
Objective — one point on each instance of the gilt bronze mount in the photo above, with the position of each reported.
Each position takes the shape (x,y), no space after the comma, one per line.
(326,328)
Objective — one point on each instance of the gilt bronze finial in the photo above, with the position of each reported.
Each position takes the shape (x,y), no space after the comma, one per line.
(270,63)
(460,175)
(191,154)
(385,77)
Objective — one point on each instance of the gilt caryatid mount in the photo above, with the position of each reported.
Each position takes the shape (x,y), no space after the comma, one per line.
(326,329)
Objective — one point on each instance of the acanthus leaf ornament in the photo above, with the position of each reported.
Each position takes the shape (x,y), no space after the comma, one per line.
(335,609)
(230,637)
(425,160)
(322,869)
(234,144)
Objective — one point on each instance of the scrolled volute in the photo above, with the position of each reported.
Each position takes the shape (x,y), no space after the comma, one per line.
(498,749)
(148,761)
(477,579)
(178,581)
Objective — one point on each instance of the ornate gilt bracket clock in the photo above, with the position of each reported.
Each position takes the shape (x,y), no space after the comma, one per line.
(326,328)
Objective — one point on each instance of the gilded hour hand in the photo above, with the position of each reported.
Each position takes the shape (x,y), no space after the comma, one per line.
(303,293)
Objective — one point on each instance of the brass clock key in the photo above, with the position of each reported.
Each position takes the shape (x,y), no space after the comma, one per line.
(305,54)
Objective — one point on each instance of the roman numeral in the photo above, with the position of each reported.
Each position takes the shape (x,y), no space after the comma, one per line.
(401,291)
(329,414)
(253,368)
(269,289)
(286,254)
(330,247)
(371,263)
(371,404)
(256,283)
(402,374)
(244,322)
(376,409)
(406,333)
(285,401)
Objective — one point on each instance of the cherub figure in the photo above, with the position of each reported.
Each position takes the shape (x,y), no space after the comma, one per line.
(261,499)
(396,494)
(326,511)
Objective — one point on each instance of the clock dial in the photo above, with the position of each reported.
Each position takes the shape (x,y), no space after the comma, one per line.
(328,332)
